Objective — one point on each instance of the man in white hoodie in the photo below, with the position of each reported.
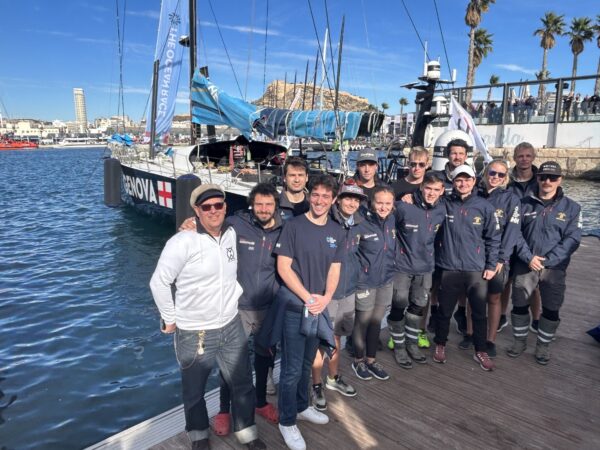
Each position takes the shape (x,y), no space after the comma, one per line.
(204,316)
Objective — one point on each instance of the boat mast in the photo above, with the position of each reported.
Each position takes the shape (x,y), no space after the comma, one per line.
(153,110)
(323,61)
(195,130)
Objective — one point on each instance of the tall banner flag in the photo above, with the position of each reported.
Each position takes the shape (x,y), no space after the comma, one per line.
(462,120)
(173,23)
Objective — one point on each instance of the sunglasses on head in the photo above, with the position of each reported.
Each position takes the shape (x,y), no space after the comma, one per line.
(218,206)
(552,178)
(493,173)
(349,182)
(414,164)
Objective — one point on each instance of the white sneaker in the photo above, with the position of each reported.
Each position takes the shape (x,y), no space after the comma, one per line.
(310,414)
(292,437)
(271,388)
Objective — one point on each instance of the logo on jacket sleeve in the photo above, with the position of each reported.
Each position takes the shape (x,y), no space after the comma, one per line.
(515,216)
(230,254)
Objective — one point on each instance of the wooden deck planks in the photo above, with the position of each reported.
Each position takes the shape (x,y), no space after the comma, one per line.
(457,405)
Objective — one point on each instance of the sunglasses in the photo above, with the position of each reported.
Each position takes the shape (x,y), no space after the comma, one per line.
(218,206)
(552,178)
(493,173)
(349,182)
(413,164)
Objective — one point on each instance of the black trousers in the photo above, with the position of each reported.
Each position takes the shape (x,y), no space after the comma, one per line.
(452,285)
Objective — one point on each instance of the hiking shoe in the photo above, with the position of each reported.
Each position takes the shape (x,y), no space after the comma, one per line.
(423,340)
(466,342)
(292,437)
(318,396)
(534,326)
(413,351)
(311,415)
(461,322)
(361,371)
(502,324)
(256,444)
(484,361)
(390,343)
(377,370)
(271,388)
(491,349)
(439,356)
(337,384)
(517,348)
(269,412)
(221,425)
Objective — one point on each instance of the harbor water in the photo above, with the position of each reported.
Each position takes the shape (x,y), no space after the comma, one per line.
(82,357)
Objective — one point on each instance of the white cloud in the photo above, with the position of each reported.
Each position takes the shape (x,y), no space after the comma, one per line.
(151,14)
(242,29)
(50,32)
(516,68)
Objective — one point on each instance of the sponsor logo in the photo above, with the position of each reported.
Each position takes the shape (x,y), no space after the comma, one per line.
(561,216)
(246,242)
(515,216)
(477,220)
(580,221)
(369,236)
(331,241)
(144,189)
(230,254)
(165,196)
(499,213)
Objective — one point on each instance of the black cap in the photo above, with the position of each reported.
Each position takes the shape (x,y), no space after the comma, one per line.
(550,168)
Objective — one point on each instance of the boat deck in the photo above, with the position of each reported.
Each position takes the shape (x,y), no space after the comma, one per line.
(521,404)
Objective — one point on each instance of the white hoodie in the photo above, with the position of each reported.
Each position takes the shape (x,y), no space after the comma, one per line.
(204,270)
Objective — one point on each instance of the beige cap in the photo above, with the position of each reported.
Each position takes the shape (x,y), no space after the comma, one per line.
(204,192)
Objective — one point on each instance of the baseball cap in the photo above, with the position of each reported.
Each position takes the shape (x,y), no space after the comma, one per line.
(204,192)
(367,154)
(550,168)
(351,189)
(462,169)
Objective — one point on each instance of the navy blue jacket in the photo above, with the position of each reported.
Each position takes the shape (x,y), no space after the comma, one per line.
(523,191)
(552,231)
(351,266)
(286,208)
(257,273)
(508,213)
(470,236)
(417,225)
(376,251)
(444,175)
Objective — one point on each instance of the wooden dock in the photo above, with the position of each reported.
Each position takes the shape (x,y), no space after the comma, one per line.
(457,405)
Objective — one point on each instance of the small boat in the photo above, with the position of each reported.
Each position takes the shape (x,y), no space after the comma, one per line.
(10,144)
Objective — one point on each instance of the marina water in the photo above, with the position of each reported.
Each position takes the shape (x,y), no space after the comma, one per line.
(82,357)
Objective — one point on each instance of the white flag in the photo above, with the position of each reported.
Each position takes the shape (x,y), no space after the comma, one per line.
(462,120)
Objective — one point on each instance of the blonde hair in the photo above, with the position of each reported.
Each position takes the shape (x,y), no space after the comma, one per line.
(418,151)
(487,169)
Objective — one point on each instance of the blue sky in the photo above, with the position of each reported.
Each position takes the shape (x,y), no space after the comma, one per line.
(50,47)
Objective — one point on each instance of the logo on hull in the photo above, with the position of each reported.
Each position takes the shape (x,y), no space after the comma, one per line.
(144,189)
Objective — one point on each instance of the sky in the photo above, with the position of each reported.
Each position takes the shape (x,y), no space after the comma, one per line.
(50,47)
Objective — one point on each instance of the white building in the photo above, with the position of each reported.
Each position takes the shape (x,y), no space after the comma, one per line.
(80,109)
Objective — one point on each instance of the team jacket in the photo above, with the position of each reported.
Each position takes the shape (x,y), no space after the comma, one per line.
(444,175)
(204,270)
(508,213)
(417,225)
(286,208)
(376,251)
(257,272)
(351,266)
(470,235)
(520,191)
(552,231)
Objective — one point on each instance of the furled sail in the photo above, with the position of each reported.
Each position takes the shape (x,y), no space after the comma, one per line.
(212,106)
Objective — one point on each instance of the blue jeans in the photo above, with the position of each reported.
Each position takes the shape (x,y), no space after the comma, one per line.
(228,347)
(297,355)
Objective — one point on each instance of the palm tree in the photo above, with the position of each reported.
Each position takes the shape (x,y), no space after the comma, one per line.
(581,30)
(597,85)
(493,80)
(384,106)
(553,26)
(482,47)
(475,10)
(403,102)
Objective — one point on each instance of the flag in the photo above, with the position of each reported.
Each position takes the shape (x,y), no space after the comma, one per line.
(462,120)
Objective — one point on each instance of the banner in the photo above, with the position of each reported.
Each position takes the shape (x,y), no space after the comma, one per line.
(173,23)
(462,120)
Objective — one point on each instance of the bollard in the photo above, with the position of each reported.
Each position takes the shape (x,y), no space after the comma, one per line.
(112,182)
(183,190)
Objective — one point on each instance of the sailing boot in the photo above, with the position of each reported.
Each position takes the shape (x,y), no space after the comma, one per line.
(520,327)
(546,331)
(397,331)
(412,338)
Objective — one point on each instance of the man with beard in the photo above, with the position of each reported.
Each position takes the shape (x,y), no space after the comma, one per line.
(292,200)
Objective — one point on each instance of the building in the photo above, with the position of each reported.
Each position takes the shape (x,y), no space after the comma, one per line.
(80,110)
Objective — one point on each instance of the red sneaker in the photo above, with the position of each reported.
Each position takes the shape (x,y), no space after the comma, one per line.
(439,356)
(484,361)
(269,412)
(221,425)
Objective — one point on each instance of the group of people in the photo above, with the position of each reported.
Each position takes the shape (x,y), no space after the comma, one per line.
(301,269)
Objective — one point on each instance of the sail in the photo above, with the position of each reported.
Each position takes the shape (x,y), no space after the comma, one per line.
(212,106)
(462,120)
(173,23)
